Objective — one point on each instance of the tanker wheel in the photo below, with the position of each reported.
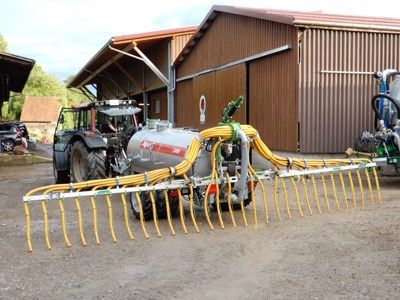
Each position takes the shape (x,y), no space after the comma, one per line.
(85,164)
(160,205)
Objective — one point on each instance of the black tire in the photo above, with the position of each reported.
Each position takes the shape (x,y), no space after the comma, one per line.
(160,205)
(60,176)
(8,145)
(85,164)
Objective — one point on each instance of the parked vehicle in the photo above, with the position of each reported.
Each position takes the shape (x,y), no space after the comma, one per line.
(11,135)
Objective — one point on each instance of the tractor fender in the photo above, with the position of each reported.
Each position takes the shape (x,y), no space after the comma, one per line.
(91,141)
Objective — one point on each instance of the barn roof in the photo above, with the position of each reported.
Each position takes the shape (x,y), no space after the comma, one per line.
(316,19)
(41,109)
(106,56)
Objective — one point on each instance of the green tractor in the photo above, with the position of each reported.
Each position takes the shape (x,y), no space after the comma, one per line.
(383,147)
(90,140)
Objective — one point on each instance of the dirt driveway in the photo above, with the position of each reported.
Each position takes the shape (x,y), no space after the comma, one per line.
(349,254)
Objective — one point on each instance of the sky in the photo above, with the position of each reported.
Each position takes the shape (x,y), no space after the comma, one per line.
(63,35)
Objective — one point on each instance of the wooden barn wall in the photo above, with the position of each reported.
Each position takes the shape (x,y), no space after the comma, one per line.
(334,108)
(160,95)
(233,37)
(177,44)
(219,88)
(185,108)
(272,106)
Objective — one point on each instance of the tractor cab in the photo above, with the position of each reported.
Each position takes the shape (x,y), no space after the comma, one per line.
(100,129)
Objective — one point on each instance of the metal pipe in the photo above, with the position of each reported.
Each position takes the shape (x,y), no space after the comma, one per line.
(396,138)
(245,159)
(146,61)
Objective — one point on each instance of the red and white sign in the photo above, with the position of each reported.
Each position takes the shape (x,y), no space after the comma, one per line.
(163,148)
(202,107)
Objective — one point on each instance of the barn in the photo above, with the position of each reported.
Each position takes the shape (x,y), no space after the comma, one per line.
(307,77)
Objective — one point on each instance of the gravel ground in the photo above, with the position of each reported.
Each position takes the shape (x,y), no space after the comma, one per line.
(346,254)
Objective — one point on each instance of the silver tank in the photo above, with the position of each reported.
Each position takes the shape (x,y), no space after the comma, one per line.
(158,146)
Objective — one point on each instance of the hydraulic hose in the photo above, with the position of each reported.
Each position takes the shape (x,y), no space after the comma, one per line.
(391,99)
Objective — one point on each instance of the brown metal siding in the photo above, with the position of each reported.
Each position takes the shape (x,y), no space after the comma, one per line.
(335,108)
(185,108)
(233,37)
(219,88)
(178,42)
(231,83)
(272,94)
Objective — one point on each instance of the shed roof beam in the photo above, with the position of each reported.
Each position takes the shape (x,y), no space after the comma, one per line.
(151,65)
(105,66)
(130,77)
(108,87)
(116,84)
(147,61)
(98,92)
(87,93)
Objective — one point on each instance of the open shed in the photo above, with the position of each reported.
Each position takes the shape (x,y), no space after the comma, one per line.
(306,76)
(136,66)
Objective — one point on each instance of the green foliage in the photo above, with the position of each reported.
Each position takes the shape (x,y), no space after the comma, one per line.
(3,44)
(40,84)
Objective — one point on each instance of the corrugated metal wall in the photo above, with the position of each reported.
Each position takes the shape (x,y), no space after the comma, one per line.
(272,94)
(335,108)
(219,88)
(185,108)
(177,44)
(233,37)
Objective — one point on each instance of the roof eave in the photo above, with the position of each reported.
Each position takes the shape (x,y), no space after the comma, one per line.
(347,26)
(73,84)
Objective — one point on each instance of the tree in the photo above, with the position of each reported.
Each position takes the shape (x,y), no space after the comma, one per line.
(40,84)
(3,44)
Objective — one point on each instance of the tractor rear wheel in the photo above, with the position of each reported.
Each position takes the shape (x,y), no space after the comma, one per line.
(85,164)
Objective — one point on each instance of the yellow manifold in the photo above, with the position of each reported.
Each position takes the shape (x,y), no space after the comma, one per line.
(287,175)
